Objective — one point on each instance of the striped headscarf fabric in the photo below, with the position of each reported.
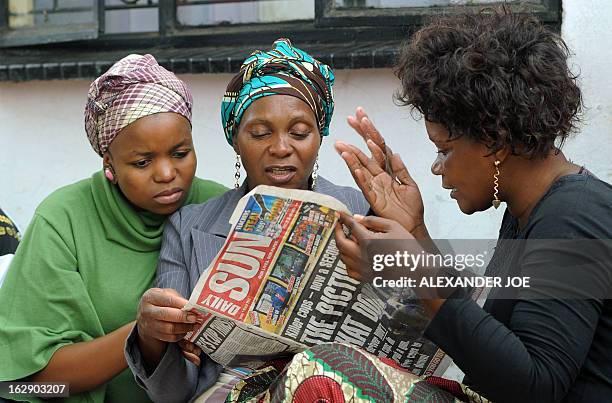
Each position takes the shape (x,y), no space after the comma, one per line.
(134,87)
(284,70)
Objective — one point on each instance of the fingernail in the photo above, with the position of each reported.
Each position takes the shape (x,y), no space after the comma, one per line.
(191,318)
(358,217)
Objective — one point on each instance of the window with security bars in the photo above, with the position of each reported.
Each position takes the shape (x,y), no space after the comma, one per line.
(29,22)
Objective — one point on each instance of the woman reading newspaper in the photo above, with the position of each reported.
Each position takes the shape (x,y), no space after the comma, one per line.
(498,99)
(71,292)
(275,114)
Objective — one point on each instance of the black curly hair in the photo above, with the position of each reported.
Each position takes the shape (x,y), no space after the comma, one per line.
(496,76)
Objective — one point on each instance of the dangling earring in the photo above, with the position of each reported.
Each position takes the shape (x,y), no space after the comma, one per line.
(496,201)
(315,173)
(109,174)
(237,174)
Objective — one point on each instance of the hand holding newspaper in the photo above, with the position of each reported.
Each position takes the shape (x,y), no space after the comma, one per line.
(277,286)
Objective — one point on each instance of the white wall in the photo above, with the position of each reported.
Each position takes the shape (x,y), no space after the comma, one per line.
(43,144)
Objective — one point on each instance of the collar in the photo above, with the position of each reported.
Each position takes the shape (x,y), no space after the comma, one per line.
(221,226)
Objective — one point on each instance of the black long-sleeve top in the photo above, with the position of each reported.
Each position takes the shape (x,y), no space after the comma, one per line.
(539,345)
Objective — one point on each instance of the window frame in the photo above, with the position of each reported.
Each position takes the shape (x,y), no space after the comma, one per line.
(327,15)
(329,24)
(171,32)
(212,49)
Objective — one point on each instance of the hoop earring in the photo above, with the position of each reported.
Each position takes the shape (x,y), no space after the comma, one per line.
(238,165)
(496,201)
(315,173)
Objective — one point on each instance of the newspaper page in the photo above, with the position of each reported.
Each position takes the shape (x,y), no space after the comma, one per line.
(278,286)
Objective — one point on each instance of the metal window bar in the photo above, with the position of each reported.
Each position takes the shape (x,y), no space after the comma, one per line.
(3,13)
(53,10)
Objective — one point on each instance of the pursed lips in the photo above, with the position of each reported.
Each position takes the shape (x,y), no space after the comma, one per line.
(452,189)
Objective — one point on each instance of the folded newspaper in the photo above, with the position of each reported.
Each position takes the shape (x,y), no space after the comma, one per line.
(278,287)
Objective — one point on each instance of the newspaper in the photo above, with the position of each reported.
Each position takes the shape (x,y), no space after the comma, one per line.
(278,286)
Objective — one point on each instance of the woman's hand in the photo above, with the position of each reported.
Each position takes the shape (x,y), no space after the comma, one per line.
(190,351)
(160,320)
(362,124)
(395,196)
(358,249)
(372,236)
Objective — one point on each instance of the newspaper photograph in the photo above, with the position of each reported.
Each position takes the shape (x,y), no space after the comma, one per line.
(278,286)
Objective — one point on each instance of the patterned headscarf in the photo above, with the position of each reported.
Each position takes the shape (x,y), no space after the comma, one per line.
(134,87)
(284,70)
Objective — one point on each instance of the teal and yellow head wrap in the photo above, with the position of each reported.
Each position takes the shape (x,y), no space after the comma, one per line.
(284,70)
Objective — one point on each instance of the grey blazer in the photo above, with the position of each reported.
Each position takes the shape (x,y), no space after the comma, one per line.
(192,238)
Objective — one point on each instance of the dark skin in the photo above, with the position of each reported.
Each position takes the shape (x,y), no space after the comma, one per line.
(154,155)
(278,141)
(149,156)
(356,252)
(154,162)
(465,166)
(390,183)
(160,321)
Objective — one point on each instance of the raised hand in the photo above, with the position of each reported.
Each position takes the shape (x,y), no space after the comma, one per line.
(362,124)
(395,196)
